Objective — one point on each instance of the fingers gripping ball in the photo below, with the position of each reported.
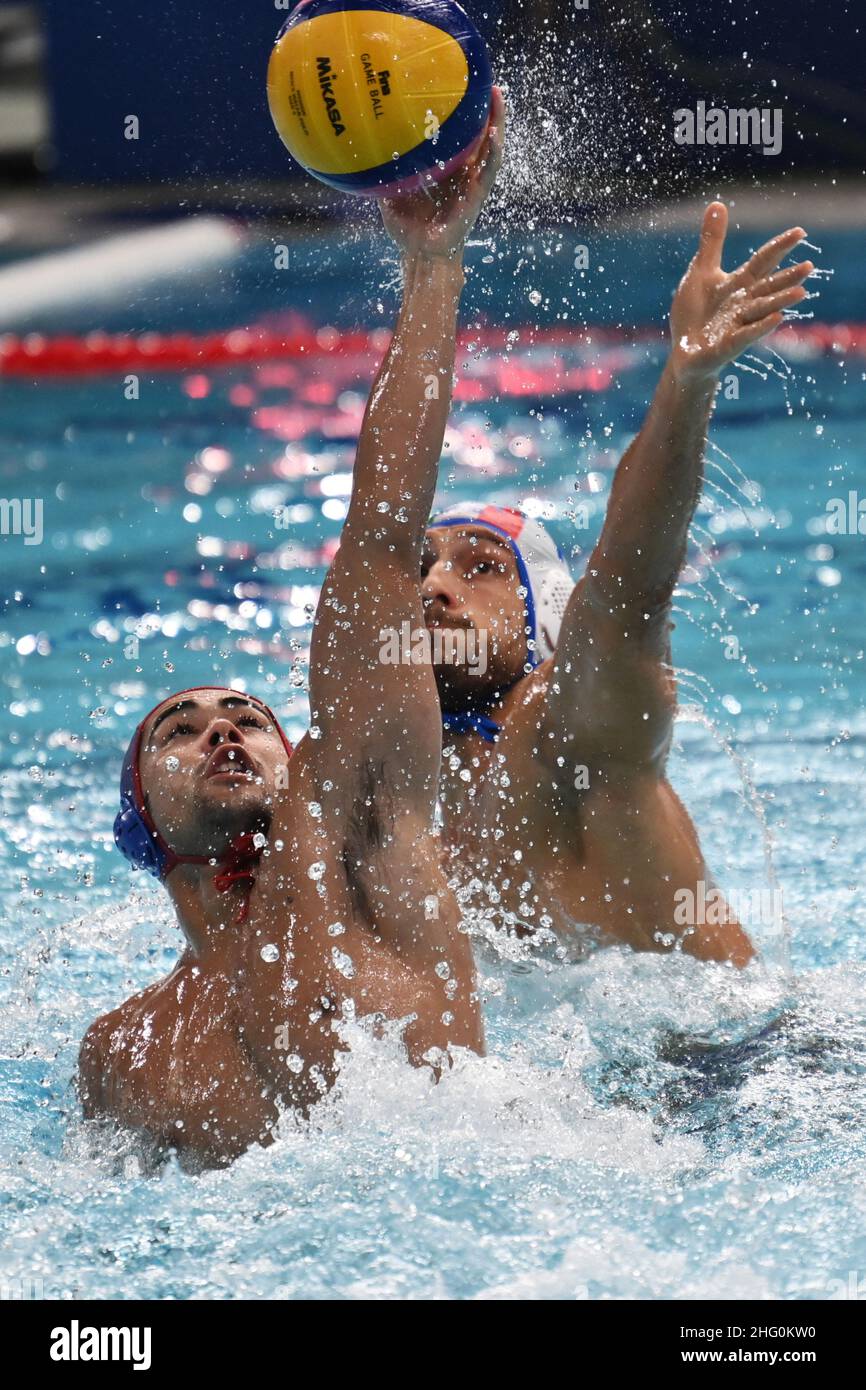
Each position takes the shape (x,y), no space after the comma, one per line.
(378,96)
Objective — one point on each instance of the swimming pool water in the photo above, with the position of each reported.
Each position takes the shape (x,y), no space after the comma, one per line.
(642,1127)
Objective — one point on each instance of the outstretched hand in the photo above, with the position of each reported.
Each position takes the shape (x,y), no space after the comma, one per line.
(436,220)
(715,316)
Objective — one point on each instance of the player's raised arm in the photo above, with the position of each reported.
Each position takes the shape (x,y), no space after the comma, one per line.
(614,636)
(371,762)
(401,436)
(371,596)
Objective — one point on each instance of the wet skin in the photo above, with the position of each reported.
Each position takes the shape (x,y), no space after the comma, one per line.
(570,815)
(607,854)
(204,1060)
(350,916)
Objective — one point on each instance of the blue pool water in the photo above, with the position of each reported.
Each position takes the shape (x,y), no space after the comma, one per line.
(642,1126)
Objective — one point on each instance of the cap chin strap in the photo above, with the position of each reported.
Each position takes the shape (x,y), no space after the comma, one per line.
(237,863)
(472,722)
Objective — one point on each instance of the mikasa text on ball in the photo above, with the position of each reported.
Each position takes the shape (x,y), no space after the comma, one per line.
(378,96)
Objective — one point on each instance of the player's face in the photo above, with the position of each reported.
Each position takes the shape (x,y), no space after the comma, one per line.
(209,765)
(469,585)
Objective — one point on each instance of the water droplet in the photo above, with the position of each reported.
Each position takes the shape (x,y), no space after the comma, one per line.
(336,929)
(316,871)
(172,763)
(443,970)
(314,809)
(343,963)
(270,953)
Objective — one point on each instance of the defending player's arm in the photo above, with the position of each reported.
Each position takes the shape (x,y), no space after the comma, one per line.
(613,687)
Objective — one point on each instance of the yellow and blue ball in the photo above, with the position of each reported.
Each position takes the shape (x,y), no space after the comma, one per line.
(378,96)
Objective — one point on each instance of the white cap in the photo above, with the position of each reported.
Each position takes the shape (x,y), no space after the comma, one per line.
(540,564)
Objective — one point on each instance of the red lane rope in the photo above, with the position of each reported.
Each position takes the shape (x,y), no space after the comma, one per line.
(98,354)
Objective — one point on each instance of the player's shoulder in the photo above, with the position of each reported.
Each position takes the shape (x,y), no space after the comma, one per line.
(111,1040)
(525,709)
(105,1030)
(93,1062)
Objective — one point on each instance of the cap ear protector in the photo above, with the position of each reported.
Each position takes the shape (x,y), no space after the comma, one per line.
(541,568)
(135,832)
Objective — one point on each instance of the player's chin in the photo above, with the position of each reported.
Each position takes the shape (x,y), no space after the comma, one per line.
(233,795)
(459,683)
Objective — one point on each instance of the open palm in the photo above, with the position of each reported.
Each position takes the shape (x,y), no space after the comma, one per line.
(716,315)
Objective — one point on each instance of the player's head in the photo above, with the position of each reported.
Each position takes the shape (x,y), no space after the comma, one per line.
(201,770)
(495,587)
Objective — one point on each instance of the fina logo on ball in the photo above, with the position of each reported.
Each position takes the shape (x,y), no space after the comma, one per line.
(327,77)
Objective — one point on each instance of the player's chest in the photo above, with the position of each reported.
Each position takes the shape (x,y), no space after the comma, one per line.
(503,796)
(181,1059)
